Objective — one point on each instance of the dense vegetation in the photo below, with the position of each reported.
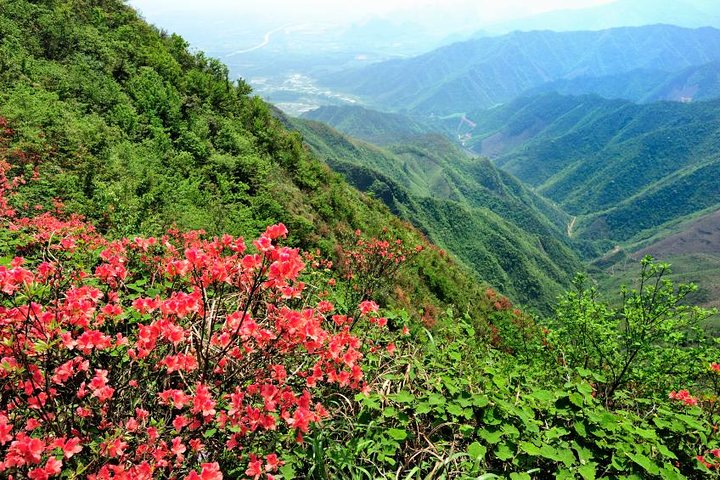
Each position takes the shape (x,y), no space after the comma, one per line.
(510,237)
(133,131)
(132,346)
(624,169)
(487,71)
(375,127)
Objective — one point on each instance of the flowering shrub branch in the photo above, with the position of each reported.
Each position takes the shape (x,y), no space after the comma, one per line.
(181,356)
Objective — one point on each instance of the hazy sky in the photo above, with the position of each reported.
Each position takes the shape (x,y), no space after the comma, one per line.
(337,10)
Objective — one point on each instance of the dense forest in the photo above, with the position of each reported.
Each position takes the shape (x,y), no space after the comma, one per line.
(188,291)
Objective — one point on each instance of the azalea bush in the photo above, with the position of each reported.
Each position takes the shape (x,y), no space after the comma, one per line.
(181,356)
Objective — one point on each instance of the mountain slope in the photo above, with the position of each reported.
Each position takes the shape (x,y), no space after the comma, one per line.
(507,235)
(701,82)
(624,168)
(369,125)
(131,129)
(484,72)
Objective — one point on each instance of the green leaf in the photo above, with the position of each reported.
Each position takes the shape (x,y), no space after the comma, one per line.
(520,476)
(389,412)
(585,388)
(287,471)
(529,448)
(666,451)
(544,395)
(403,396)
(422,408)
(397,434)
(466,430)
(479,400)
(646,434)
(455,409)
(490,437)
(476,451)
(503,452)
(587,471)
(645,463)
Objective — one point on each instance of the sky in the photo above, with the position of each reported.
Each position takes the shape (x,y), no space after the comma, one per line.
(485,11)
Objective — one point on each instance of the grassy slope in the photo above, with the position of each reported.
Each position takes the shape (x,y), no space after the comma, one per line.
(507,235)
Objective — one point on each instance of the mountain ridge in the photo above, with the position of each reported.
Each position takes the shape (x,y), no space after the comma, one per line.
(487,71)
(487,219)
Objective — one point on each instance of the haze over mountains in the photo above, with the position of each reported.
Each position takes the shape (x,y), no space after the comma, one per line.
(488,71)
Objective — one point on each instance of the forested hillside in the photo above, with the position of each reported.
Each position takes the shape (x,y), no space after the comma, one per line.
(696,83)
(626,169)
(130,129)
(509,236)
(378,128)
(487,71)
(187,292)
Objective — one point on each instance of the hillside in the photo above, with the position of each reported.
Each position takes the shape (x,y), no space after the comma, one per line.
(623,169)
(696,83)
(375,127)
(130,129)
(510,237)
(484,72)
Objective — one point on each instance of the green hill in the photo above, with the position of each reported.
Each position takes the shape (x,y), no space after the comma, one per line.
(372,126)
(484,72)
(131,129)
(132,347)
(623,169)
(509,236)
(701,82)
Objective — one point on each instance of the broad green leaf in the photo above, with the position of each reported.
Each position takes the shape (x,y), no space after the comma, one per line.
(490,437)
(455,409)
(666,451)
(645,463)
(503,452)
(588,471)
(529,448)
(476,451)
(403,397)
(287,471)
(389,412)
(397,434)
(544,395)
(520,476)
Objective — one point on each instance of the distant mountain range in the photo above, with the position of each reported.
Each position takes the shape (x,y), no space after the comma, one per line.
(698,82)
(619,13)
(488,71)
